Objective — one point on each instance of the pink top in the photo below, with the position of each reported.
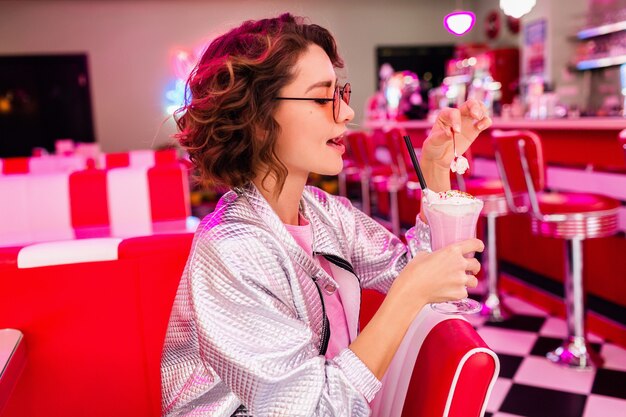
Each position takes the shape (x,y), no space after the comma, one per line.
(339,331)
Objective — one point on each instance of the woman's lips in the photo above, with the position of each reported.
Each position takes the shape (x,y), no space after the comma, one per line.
(337,143)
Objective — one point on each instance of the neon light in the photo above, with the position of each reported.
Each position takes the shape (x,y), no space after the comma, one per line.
(183,63)
(459,22)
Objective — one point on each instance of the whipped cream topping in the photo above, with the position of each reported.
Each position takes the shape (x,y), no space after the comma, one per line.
(452,202)
(459,165)
(450,197)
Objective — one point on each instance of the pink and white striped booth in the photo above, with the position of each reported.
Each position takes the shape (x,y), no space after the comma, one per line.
(86,156)
(121,202)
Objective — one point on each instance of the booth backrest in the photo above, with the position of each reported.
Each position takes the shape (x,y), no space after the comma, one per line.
(94,333)
(118,202)
(93,330)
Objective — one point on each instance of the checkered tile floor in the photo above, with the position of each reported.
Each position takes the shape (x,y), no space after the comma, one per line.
(531,386)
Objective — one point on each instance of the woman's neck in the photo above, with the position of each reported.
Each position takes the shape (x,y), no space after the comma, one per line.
(286,204)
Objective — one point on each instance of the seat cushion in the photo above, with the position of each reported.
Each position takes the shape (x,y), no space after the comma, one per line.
(566,203)
(483,186)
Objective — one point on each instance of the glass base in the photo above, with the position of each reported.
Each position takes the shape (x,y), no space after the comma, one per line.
(463,306)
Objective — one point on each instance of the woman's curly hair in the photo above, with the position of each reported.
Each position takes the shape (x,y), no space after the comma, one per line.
(228,125)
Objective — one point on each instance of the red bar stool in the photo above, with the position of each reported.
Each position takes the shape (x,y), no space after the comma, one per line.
(569,216)
(366,167)
(622,141)
(351,169)
(395,180)
(491,192)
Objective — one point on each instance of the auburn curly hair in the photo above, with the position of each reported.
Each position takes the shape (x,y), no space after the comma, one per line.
(227,125)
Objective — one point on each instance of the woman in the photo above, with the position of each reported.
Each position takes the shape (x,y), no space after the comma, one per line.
(264,321)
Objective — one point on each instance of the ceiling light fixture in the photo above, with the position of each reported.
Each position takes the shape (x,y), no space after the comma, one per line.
(517,8)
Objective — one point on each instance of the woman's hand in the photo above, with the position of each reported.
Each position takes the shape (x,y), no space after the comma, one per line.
(467,122)
(439,276)
(427,278)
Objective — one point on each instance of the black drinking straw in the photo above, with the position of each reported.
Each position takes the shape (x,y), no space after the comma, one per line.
(416,164)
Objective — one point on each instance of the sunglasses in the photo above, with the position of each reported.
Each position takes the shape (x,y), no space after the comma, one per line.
(340,94)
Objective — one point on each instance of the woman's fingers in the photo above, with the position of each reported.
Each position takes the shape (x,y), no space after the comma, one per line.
(450,119)
(478,111)
(471,245)
(473,266)
(484,123)
(474,109)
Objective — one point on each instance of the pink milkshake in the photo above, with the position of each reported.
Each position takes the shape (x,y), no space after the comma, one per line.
(452,217)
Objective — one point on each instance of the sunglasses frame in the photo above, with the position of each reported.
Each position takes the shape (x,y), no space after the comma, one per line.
(340,94)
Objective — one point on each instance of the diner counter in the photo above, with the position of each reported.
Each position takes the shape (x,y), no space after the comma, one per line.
(584,123)
(582,155)
(590,143)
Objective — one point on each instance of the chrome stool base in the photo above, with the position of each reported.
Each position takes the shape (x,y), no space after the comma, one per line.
(576,353)
(494,310)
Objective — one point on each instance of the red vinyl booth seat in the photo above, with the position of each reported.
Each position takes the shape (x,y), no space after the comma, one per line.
(453,371)
(94,332)
(454,357)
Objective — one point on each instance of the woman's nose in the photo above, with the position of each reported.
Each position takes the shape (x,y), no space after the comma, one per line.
(346,113)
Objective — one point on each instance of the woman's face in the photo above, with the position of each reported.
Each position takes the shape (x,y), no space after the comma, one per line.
(310,139)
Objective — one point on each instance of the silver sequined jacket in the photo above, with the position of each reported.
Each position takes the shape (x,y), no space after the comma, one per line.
(248,331)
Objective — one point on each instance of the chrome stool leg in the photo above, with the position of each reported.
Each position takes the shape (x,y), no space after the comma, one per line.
(343,187)
(575,352)
(492,308)
(365,195)
(395,212)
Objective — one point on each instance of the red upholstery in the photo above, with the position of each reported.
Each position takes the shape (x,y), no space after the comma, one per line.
(454,369)
(622,141)
(165,156)
(569,216)
(95,331)
(15,166)
(82,328)
(365,166)
(553,203)
(507,145)
(160,261)
(451,350)
(477,186)
(89,205)
(8,256)
(117,160)
(483,186)
(168,200)
(96,203)
(510,146)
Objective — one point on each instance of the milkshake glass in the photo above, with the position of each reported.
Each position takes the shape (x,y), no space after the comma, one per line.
(452,217)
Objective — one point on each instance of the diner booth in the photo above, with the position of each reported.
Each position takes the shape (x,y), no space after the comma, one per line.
(86,294)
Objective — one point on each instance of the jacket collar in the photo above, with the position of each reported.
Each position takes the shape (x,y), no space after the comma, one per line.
(324,241)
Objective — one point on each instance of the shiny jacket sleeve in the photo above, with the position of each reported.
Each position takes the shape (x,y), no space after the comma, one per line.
(250,334)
